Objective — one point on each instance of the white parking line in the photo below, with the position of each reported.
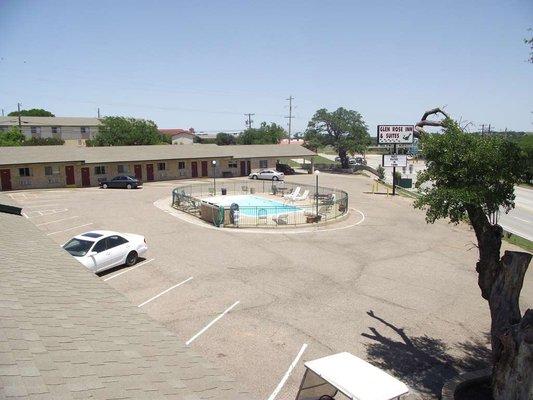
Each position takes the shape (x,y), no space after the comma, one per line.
(69,229)
(165,291)
(57,220)
(130,269)
(40,205)
(287,374)
(188,342)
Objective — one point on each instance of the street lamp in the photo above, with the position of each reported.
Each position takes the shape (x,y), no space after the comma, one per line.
(317,172)
(214,162)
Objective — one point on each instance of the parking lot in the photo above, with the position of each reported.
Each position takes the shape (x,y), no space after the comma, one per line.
(381,284)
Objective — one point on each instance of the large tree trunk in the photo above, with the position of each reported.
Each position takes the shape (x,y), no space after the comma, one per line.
(344,158)
(500,281)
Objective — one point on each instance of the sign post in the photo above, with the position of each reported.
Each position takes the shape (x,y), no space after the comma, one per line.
(395,134)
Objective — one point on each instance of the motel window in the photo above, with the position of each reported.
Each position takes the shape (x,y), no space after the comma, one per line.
(263,163)
(122,169)
(23,172)
(51,170)
(33,130)
(99,170)
(232,164)
(181,164)
(84,130)
(56,130)
(161,166)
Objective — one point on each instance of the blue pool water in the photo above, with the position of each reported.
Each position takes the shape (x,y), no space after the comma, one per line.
(250,205)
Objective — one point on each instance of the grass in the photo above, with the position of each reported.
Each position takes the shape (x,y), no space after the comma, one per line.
(323,160)
(519,241)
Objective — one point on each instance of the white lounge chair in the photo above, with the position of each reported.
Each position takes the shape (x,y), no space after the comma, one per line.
(293,194)
(302,197)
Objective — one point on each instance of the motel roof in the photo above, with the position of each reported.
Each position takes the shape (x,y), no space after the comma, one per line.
(94,155)
(65,334)
(49,121)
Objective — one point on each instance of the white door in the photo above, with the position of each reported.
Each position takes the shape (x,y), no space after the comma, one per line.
(101,259)
(118,249)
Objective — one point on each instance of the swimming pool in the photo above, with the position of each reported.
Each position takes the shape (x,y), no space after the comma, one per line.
(253,205)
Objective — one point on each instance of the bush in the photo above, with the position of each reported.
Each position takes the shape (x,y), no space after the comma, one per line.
(397,176)
(43,142)
(381,172)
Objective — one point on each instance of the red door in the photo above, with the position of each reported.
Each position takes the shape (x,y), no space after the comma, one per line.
(69,172)
(194,169)
(85,177)
(138,171)
(243,168)
(5,179)
(150,172)
(204,168)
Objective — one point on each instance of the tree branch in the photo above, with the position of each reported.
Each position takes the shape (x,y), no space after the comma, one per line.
(425,122)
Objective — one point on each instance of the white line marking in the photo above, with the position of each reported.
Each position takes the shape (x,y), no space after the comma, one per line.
(23,213)
(57,220)
(40,205)
(287,374)
(69,229)
(165,291)
(130,269)
(188,342)
(520,219)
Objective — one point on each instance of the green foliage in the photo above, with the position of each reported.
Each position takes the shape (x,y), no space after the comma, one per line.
(526,144)
(529,42)
(265,134)
(397,177)
(225,139)
(12,137)
(381,172)
(342,129)
(34,112)
(467,171)
(120,131)
(51,141)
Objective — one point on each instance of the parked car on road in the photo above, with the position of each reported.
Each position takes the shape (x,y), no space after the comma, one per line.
(101,250)
(268,174)
(122,182)
(357,161)
(286,169)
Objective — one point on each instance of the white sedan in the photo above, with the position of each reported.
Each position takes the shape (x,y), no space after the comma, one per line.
(101,250)
(270,174)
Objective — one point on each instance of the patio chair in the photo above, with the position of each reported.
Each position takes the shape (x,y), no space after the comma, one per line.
(293,194)
(304,196)
(282,219)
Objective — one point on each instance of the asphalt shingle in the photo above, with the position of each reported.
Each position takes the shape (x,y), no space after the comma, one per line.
(65,334)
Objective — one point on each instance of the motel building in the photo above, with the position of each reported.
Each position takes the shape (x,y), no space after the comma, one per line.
(40,167)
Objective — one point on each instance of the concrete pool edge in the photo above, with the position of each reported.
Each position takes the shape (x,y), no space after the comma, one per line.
(164,205)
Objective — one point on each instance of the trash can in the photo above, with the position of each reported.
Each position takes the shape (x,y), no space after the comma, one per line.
(252,190)
(224,191)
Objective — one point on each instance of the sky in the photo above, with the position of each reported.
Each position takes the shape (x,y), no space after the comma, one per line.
(204,64)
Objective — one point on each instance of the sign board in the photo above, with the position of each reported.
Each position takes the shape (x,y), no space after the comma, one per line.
(394,160)
(399,134)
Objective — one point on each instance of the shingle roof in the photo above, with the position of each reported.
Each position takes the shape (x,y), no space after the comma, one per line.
(65,334)
(92,155)
(50,121)
(176,131)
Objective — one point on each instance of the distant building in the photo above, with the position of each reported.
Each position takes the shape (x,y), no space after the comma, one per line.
(179,136)
(73,130)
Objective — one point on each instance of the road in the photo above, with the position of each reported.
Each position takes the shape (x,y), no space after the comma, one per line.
(520,220)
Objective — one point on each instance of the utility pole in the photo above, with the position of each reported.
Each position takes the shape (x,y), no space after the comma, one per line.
(20,123)
(2,112)
(99,112)
(248,123)
(290,117)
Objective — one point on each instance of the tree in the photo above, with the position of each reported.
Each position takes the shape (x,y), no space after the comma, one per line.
(342,129)
(265,134)
(120,131)
(225,139)
(529,42)
(472,177)
(34,112)
(12,137)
